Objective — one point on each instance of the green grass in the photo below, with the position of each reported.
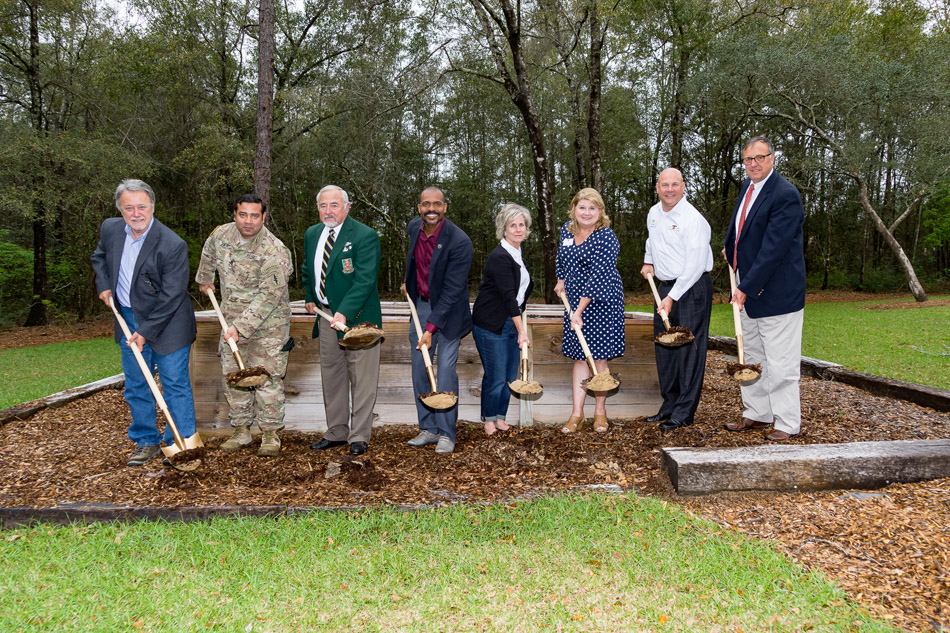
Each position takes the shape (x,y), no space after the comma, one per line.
(570,563)
(880,342)
(33,372)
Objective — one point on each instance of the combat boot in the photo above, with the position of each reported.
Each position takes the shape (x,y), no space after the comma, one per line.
(270,444)
(237,441)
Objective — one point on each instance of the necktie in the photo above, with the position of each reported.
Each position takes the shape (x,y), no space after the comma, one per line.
(327,249)
(745,207)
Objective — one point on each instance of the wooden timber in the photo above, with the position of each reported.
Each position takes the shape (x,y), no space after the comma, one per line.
(637,395)
(784,467)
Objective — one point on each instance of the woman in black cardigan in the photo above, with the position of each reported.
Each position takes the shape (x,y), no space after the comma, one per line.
(498,328)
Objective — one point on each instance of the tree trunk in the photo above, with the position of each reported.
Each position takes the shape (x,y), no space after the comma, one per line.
(519,91)
(37,315)
(264,140)
(597,34)
(915,288)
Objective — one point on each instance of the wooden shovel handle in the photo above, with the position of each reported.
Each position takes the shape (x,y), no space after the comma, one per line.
(735,315)
(656,295)
(328,317)
(580,335)
(524,361)
(224,328)
(424,349)
(149,378)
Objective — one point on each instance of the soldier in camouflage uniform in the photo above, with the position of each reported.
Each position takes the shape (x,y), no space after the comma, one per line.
(253,269)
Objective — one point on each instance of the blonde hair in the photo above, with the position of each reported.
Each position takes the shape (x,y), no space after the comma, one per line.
(507,214)
(591,194)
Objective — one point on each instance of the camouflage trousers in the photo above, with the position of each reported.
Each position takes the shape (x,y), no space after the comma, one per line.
(268,399)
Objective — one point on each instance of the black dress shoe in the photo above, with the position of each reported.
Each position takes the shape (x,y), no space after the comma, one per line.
(657,418)
(672,425)
(324,444)
(357,448)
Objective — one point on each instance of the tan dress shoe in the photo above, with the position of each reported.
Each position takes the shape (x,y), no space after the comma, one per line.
(778,436)
(744,425)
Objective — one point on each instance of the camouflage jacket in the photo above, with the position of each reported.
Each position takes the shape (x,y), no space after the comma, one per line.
(252,279)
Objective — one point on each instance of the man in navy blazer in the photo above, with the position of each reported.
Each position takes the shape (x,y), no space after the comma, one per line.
(437,265)
(764,245)
(142,266)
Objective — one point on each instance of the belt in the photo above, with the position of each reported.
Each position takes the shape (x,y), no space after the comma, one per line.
(667,283)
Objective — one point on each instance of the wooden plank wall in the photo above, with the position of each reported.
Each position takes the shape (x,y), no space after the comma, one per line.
(638,393)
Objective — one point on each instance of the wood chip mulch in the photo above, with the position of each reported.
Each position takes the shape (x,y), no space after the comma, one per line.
(889,549)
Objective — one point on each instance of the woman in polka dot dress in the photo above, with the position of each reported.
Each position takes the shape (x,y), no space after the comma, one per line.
(587,272)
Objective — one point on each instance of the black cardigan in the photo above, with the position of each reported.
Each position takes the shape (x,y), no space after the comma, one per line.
(498,294)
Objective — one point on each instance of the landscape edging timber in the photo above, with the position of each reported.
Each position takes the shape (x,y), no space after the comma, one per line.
(923,395)
(29,409)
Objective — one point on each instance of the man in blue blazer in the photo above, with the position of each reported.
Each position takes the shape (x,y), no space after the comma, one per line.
(764,245)
(437,265)
(142,266)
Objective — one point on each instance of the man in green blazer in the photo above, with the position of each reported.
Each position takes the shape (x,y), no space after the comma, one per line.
(339,271)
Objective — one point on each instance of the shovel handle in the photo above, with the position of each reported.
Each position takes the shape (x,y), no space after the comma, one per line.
(580,335)
(524,361)
(224,328)
(329,318)
(149,378)
(656,295)
(735,315)
(424,349)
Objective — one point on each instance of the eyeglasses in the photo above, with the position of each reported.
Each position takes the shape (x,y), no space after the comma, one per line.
(759,159)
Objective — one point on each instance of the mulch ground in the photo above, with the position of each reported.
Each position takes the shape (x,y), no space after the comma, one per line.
(888,550)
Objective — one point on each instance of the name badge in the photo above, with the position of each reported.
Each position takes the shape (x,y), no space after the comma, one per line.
(568,241)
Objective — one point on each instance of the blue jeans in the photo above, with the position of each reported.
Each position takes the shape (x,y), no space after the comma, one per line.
(500,357)
(446,352)
(176,389)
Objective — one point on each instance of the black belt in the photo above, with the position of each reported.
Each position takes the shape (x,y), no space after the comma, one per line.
(666,283)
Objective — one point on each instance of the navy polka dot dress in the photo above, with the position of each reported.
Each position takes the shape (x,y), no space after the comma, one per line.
(589,270)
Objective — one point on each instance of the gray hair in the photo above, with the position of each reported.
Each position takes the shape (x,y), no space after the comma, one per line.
(131,184)
(346,198)
(758,139)
(506,214)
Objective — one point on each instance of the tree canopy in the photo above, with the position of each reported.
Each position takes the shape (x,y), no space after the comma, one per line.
(495,101)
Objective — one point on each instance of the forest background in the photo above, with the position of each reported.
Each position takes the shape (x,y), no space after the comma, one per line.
(493,100)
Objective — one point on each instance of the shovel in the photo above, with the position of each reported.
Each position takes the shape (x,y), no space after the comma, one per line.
(603,381)
(675,336)
(740,371)
(359,335)
(244,377)
(191,446)
(522,384)
(434,399)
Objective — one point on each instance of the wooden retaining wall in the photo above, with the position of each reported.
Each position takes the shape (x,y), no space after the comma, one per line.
(638,394)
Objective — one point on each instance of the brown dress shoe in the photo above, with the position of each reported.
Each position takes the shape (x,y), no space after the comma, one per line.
(777,436)
(744,425)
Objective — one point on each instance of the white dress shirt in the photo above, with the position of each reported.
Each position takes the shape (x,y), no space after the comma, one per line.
(516,253)
(318,260)
(678,245)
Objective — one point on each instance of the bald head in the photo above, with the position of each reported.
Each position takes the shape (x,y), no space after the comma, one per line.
(670,188)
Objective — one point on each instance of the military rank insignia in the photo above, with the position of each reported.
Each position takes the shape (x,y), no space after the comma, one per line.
(348,265)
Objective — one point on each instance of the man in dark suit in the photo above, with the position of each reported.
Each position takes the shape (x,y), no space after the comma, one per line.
(142,266)
(437,265)
(764,245)
(339,270)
